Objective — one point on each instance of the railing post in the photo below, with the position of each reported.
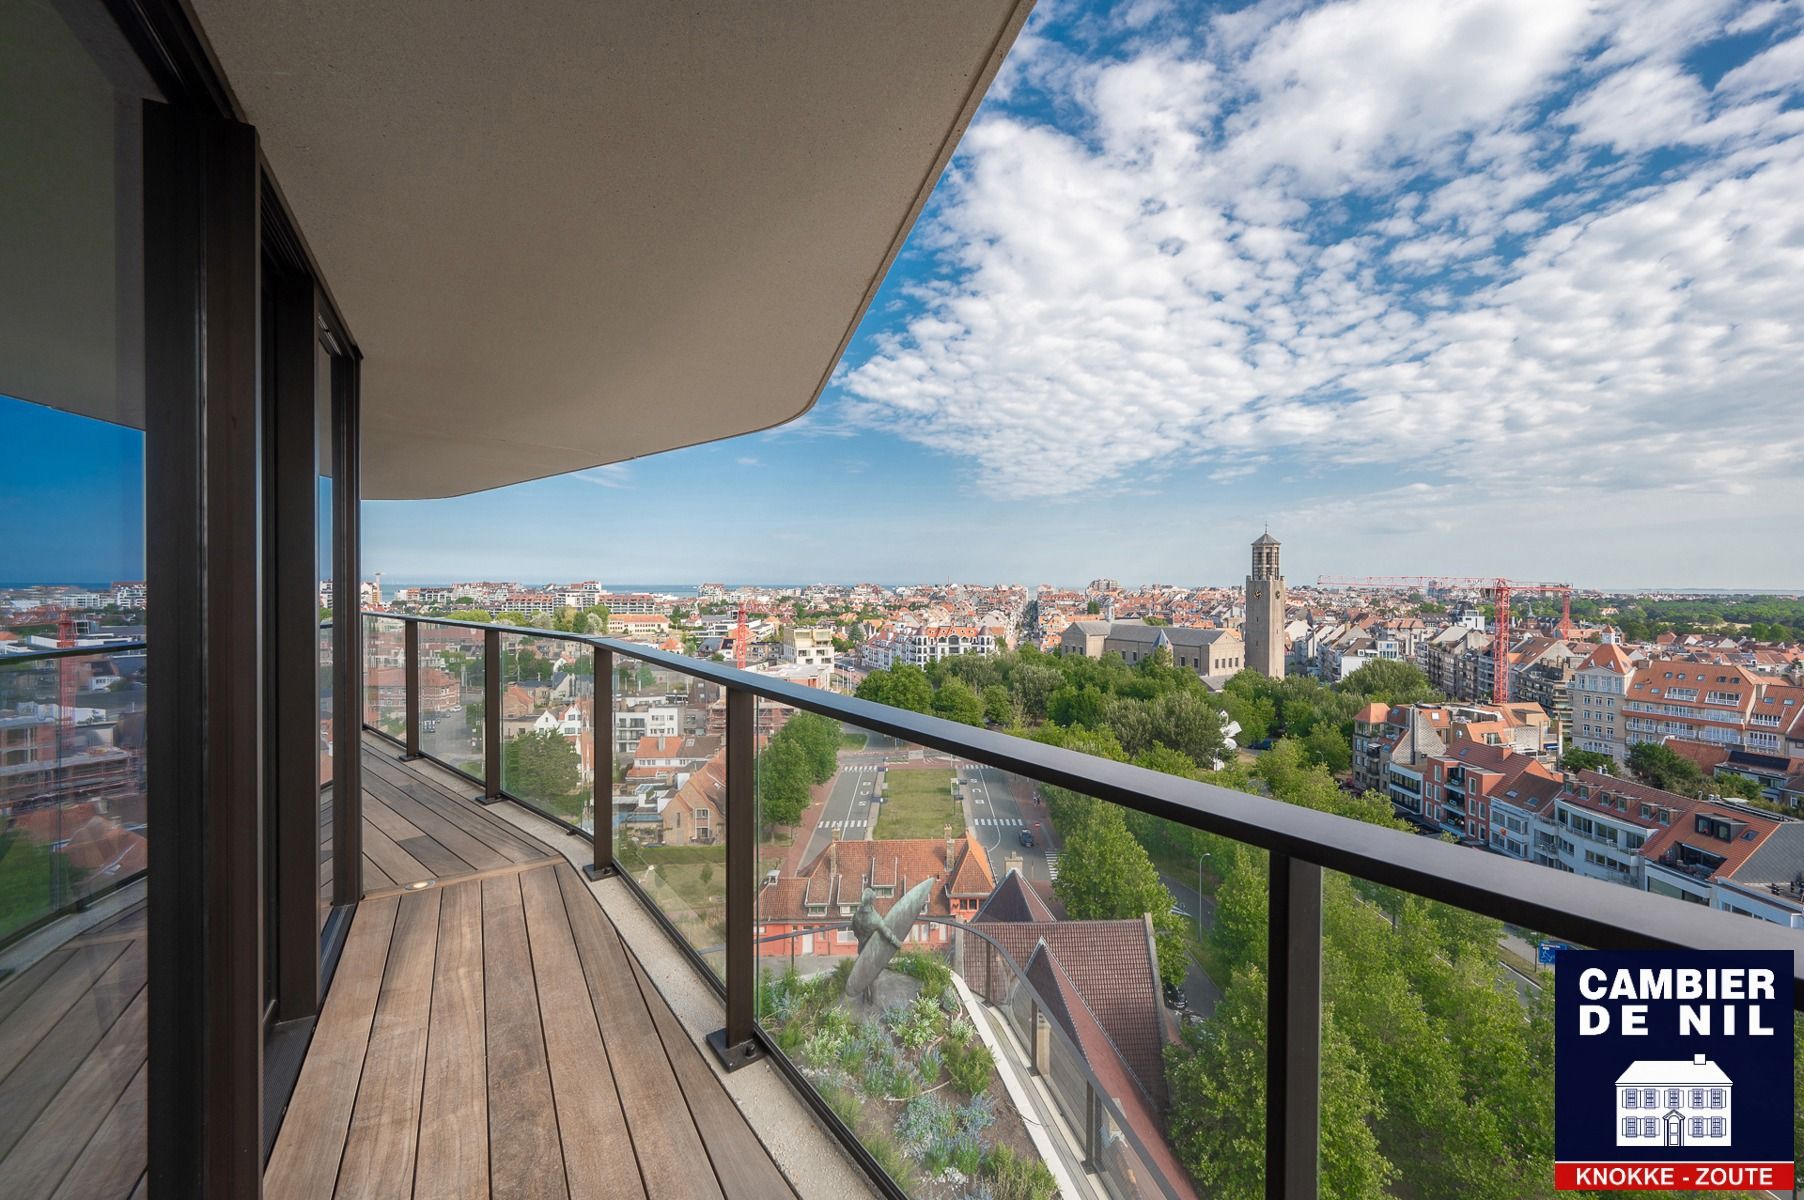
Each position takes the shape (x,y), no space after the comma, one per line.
(602,730)
(1092,1126)
(735,1045)
(1293,1054)
(491,715)
(410,680)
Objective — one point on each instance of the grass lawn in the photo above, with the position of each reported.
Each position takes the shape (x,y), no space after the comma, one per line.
(853,741)
(918,804)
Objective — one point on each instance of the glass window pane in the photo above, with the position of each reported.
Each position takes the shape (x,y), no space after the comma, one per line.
(669,798)
(1024,1027)
(451,696)
(73,820)
(547,706)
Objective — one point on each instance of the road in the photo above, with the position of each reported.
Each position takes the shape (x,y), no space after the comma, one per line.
(997,808)
(1199,989)
(848,808)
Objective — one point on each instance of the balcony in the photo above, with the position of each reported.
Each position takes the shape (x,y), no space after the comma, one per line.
(344,916)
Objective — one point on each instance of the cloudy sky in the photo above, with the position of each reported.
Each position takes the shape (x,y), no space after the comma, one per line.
(1459,286)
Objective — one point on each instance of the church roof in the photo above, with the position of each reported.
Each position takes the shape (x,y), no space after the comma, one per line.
(1266,539)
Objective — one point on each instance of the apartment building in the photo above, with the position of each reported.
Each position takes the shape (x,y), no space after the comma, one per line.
(1541,671)
(1599,685)
(648,721)
(1602,824)
(1458,662)
(1707,854)
(931,643)
(808,647)
(639,627)
(1715,706)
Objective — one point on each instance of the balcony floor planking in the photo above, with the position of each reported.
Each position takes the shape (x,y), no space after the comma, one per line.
(72,1057)
(490,1035)
(542,1058)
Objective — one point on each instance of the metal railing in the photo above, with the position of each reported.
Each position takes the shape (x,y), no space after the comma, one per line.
(1302,843)
(63,898)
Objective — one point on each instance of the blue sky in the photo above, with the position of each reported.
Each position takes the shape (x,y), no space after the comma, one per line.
(1457,286)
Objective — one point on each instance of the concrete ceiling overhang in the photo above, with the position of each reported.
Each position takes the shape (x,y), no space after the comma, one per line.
(569,233)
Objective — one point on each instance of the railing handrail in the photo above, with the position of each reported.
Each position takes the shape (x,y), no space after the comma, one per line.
(31,656)
(1575,908)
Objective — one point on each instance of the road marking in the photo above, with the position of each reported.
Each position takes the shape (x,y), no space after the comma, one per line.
(1052,865)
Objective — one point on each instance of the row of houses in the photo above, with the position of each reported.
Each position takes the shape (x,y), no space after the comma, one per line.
(1479,781)
(922,645)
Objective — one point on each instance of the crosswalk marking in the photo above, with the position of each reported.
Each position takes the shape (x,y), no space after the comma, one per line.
(856,768)
(1052,865)
(854,823)
(1002,822)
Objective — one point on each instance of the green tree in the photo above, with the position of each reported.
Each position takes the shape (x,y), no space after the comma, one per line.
(545,770)
(999,706)
(1734,787)
(955,701)
(1104,874)
(1217,1081)
(1327,746)
(899,686)
(1390,682)
(1659,765)
(1189,723)
(818,738)
(1586,760)
(783,775)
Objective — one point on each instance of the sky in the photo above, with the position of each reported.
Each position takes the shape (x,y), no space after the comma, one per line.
(1425,286)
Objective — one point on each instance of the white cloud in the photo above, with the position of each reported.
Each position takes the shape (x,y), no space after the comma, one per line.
(613,475)
(1354,235)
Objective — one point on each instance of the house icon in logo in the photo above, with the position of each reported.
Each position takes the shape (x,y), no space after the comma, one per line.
(1661,1102)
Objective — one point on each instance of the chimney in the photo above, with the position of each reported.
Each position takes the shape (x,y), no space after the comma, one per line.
(1012,863)
(833,858)
(948,830)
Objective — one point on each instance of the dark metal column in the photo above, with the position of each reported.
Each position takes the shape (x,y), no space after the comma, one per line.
(293,635)
(347,633)
(204,566)
(1293,1053)
(736,1044)
(491,716)
(602,730)
(410,677)
(1092,1127)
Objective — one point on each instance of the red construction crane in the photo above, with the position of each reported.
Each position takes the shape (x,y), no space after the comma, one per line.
(1497,590)
(741,635)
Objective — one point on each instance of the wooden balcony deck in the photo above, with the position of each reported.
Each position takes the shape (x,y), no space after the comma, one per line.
(72,1057)
(487,1033)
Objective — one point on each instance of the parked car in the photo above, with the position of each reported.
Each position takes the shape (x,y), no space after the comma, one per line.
(1027,837)
(1174,998)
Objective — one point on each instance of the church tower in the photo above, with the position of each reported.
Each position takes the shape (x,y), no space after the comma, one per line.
(1265,610)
